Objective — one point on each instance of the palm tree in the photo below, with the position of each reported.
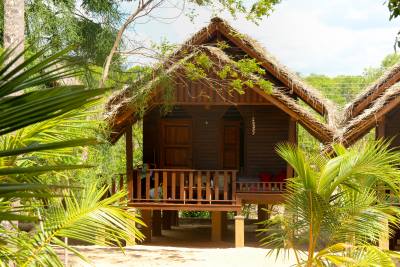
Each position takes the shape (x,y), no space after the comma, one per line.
(37,139)
(333,213)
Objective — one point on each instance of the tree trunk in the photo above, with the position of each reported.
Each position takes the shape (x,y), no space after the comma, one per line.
(14,25)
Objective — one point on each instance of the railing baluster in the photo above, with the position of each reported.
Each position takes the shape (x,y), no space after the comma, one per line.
(225,185)
(190,185)
(139,186)
(208,191)
(182,186)
(156,183)
(233,185)
(148,184)
(130,179)
(216,185)
(173,183)
(165,188)
(199,187)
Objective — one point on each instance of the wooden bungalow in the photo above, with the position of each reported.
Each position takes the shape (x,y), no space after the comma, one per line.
(214,149)
(378,107)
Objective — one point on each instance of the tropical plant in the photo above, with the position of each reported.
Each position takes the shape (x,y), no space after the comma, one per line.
(39,118)
(333,213)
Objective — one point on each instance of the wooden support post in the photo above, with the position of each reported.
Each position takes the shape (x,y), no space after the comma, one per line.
(380,130)
(292,138)
(166,220)
(174,218)
(239,231)
(224,223)
(146,217)
(384,237)
(156,223)
(262,214)
(216,234)
(129,160)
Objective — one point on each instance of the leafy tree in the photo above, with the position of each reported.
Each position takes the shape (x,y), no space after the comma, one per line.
(38,141)
(333,207)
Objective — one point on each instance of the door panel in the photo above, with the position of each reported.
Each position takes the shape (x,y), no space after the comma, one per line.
(176,144)
(230,145)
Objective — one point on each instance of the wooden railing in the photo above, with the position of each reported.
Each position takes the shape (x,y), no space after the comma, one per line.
(183,186)
(261,187)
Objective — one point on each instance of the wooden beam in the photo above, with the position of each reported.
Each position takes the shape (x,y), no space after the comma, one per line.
(216,224)
(146,217)
(129,160)
(156,223)
(264,198)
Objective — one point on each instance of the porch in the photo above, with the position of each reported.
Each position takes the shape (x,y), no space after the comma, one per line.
(197,190)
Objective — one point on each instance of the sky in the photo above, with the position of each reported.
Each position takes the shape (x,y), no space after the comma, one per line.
(331,37)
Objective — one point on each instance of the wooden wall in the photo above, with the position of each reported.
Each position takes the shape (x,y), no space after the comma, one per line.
(259,154)
(272,127)
(391,126)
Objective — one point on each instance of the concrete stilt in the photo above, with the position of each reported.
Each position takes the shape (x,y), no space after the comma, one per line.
(239,231)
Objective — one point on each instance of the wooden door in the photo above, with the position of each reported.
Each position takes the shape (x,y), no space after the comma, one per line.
(230,145)
(176,144)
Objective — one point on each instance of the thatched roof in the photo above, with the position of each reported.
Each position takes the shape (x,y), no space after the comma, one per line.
(120,107)
(358,126)
(120,110)
(370,94)
(254,49)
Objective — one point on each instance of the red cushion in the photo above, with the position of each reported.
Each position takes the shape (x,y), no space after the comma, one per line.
(281,176)
(265,177)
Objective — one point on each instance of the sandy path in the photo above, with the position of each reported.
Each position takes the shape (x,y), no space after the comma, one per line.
(146,256)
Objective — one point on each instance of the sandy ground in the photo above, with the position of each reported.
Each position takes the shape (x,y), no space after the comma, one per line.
(146,256)
(188,245)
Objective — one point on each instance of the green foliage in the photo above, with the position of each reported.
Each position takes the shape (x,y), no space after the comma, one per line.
(332,205)
(195,214)
(253,11)
(89,24)
(43,126)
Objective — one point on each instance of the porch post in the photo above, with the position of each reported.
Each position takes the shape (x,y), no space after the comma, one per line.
(262,215)
(239,231)
(292,138)
(224,223)
(156,223)
(129,160)
(146,217)
(166,219)
(216,228)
